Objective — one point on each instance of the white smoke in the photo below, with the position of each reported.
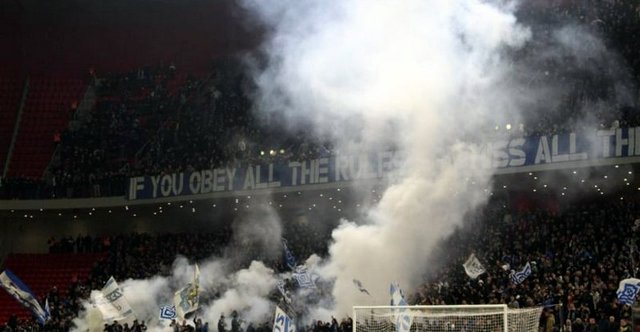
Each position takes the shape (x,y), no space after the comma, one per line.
(246,292)
(144,296)
(256,235)
(225,284)
(437,73)
(428,77)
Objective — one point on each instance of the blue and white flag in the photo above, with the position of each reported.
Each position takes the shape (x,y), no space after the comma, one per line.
(288,255)
(168,312)
(628,290)
(402,317)
(518,277)
(282,322)
(21,292)
(397,297)
(303,277)
(187,299)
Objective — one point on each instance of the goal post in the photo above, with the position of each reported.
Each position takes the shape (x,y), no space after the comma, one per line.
(445,318)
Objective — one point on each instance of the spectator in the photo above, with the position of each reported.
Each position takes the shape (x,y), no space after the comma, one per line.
(222,325)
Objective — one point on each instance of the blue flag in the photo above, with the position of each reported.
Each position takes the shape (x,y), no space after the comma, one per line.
(628,290)
(548,303)
(518,277)
(21,292)
(288,256)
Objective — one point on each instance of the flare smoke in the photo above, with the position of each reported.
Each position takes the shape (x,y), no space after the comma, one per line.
(428,77)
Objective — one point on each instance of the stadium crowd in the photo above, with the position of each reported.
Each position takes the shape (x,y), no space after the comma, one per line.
(157,120)
(578,256)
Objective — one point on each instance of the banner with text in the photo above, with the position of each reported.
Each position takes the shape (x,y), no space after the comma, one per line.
(507,154)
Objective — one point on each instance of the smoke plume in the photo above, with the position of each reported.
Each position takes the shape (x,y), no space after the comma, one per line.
(233,282)
(428,77)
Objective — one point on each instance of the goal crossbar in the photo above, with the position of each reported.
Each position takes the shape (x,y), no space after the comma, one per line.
(444,318)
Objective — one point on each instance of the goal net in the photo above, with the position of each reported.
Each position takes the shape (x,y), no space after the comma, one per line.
(445,318)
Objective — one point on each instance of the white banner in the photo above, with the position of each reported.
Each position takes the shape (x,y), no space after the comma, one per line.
(112,303)
(473,267)
(282,322)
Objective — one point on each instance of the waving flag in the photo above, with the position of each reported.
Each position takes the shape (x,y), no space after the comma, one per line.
(472,267)
(21,292)
(110,301)
(282,322)
(288,255)
(628,290)
(186,300)
(403,318)
(358,284)
(518,277)
(168,312)
(303,277)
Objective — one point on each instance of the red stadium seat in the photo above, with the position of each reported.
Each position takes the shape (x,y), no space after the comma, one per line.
(41,272)
(11,92)
(43,114)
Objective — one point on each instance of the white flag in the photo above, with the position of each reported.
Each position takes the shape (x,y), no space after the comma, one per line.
(282,322)
(186,299)
(112,303)
(473,267)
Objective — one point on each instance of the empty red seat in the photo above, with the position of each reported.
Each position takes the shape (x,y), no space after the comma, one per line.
(43,114)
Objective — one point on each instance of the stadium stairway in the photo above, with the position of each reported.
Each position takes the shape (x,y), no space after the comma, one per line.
(47,111)
(41,272)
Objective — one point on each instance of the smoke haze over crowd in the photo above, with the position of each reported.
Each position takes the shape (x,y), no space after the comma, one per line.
(437,73)
(431,79)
